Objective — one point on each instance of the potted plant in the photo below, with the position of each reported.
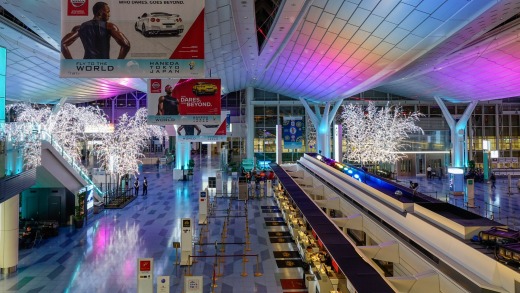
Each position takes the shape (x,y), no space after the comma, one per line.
(79,213)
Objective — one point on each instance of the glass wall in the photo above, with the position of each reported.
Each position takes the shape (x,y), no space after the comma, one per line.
(270,110)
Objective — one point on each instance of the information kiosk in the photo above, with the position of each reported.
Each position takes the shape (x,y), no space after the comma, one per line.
(186,241)
(203,207)
(144,275)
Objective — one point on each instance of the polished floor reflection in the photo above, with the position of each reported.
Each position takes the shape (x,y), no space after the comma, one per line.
(102,256)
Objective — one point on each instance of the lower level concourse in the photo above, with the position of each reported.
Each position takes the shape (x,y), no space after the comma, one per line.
(102,256)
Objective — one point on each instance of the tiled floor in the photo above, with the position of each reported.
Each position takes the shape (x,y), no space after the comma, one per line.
(102,256)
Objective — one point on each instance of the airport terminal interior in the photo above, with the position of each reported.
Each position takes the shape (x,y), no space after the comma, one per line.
(286,200)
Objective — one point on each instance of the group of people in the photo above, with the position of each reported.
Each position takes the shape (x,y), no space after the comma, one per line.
(475,173)
(137,185)
(258,176)
(145,186)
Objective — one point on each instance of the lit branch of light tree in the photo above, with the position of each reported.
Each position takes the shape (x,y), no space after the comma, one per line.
(122,150)
(377,135)
(311,133)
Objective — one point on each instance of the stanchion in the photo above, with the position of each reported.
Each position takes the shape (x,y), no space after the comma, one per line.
(220,273)
(244,258)
(248,248)
(214,280)
(224,231)
(244,273)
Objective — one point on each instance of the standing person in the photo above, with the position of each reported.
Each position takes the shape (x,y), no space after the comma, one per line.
(168,105)
(441,173)
(493,180)
(145,186)
(136,186)
(429,172)
(95,36)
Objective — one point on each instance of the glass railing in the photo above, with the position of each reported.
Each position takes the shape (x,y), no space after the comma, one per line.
(78,167)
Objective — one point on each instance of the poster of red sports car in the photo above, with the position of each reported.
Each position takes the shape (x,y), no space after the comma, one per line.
(184,101)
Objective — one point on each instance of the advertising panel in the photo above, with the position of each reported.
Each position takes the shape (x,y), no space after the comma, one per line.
(184,101)
(203,133)
(292,132)
(129,38)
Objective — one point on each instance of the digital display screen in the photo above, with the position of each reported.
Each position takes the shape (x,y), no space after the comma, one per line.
(185,223)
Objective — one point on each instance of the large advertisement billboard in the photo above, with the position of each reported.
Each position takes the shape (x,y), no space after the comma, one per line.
(203,133)
(184,101)
(129,38)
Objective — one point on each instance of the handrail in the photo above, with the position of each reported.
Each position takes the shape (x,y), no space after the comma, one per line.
(70,160)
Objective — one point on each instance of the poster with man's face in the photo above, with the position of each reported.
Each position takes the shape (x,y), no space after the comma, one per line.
(184,101)
(132,38)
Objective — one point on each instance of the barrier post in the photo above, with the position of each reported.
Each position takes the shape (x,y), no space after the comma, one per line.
(244,273)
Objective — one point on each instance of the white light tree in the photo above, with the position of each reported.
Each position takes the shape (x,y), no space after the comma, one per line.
(311,134)
(24,134)
(66,127)
(377,135)
(121,151)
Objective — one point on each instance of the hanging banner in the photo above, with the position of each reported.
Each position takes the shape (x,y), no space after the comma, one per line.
(203,133)
(129,38)
(184,101)
(292,132)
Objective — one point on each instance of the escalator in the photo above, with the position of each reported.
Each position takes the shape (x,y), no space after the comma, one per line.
(59,169)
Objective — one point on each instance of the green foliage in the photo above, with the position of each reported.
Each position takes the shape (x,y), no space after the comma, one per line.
(80,207)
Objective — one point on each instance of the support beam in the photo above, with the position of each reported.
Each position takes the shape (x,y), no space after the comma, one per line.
(250,123)
(322,124)
(458,141)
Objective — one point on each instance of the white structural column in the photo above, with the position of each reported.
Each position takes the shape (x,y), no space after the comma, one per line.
(458,142)
(182,158)
(322,124)
(250,123)
(9,234)
(9,209)
(338,142)
(279,142)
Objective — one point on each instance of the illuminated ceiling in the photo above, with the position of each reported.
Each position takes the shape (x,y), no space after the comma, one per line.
(321,50)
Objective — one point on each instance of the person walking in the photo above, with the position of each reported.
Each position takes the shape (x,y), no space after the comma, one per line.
(429,172)
(493,180)
(145,186)
(136,186)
